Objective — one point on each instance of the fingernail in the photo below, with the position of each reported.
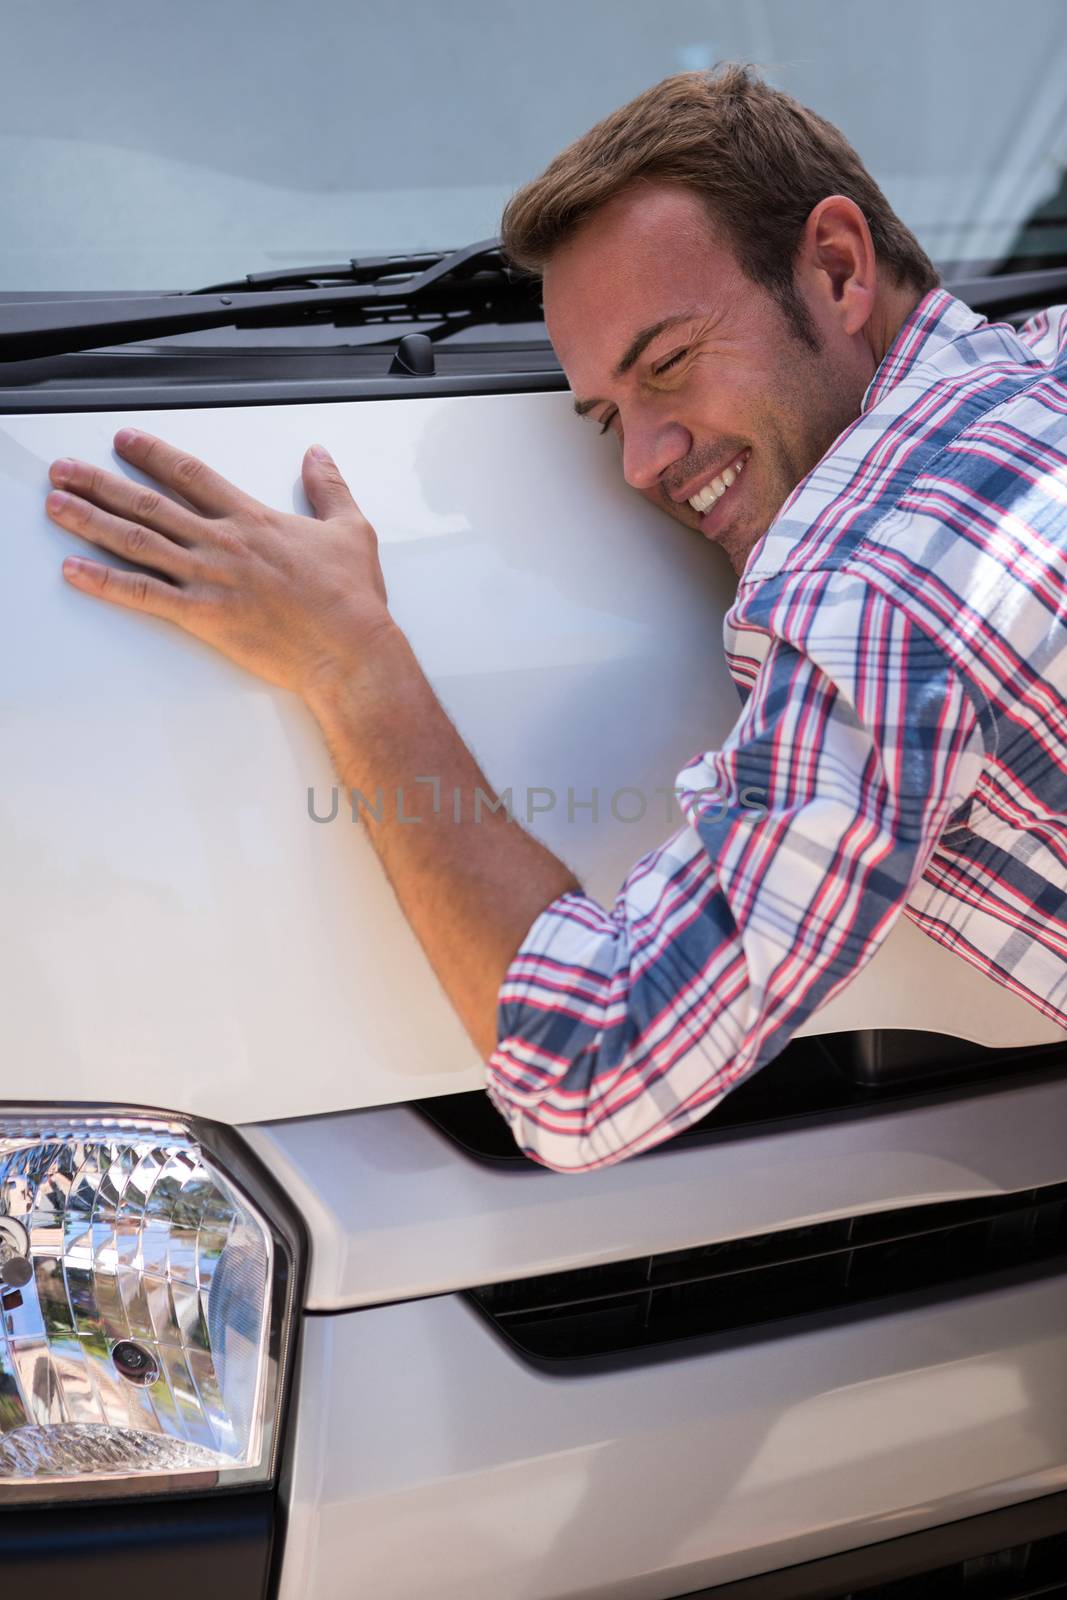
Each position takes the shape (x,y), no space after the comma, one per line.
(320,452)
(57,500)
(125,437)
(62,469)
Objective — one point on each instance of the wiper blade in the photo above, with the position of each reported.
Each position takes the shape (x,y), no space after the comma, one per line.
(360,269)
(462,280)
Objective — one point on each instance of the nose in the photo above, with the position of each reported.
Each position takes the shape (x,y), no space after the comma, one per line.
(648,450)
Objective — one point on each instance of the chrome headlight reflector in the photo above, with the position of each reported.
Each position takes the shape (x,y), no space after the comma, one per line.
(146,1305)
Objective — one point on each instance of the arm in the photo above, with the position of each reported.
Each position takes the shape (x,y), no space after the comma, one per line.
(469,888)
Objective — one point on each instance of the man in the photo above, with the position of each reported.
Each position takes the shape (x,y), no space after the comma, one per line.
(729,294)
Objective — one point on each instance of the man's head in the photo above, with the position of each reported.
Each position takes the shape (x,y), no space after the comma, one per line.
(746,231)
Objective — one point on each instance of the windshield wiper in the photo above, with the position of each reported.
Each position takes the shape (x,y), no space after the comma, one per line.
(380,288)
(474,282)
(360,269)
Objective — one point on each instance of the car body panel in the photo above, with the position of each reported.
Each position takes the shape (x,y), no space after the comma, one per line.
(428,1459)
(181,932)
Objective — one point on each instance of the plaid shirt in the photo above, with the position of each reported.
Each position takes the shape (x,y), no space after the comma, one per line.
(899,638)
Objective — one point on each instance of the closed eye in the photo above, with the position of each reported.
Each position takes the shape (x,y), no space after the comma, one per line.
(669,363)
(664,367)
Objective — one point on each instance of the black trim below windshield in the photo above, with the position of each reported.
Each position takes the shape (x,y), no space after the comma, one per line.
(475,279)
(152,395)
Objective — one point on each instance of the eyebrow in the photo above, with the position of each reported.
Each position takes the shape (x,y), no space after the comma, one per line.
(636,348)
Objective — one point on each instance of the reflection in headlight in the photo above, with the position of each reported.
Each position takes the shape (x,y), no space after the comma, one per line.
(134,1301)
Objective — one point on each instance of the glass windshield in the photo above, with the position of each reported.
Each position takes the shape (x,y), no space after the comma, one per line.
(145,146)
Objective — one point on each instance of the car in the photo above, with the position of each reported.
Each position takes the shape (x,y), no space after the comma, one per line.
(284,1311)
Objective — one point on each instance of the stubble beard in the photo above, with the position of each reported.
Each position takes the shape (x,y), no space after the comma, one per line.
(819,401)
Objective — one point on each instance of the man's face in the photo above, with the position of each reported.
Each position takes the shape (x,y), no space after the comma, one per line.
(725,386)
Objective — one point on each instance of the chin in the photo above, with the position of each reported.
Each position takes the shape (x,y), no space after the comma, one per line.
(737,544)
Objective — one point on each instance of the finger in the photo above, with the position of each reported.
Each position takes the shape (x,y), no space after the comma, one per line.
(324,486)
(138,591)
(134,500)
(208,491)
(131,540)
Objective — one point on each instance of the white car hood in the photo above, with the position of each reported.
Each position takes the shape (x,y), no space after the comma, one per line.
(178,931)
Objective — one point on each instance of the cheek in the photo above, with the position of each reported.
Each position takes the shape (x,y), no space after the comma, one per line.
(723,405)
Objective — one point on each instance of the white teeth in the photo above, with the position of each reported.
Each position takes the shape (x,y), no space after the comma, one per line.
(706,498)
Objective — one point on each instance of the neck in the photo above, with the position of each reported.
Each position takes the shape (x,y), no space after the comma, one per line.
(893,306)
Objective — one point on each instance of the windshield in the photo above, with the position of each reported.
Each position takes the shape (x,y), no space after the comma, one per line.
(145,146)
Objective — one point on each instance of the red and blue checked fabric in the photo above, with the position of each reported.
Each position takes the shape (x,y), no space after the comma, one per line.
(899,639)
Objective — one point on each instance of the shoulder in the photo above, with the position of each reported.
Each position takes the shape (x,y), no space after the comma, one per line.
(984,411)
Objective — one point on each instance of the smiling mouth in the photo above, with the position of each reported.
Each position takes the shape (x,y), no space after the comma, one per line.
(713,492)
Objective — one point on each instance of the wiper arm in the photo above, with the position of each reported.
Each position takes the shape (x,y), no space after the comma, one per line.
(475,276)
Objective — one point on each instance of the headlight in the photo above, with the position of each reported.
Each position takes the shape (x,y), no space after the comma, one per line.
(145,1311)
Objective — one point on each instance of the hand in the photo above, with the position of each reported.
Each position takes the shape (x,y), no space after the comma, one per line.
(287,597)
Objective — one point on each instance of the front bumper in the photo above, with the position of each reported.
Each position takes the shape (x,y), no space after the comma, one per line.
(429,1460)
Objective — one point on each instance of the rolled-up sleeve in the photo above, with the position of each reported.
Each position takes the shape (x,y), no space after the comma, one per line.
(803,838)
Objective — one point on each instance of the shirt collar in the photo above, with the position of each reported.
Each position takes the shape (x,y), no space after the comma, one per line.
(937,319)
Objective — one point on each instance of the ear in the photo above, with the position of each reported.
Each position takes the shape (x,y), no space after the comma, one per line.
(836,257)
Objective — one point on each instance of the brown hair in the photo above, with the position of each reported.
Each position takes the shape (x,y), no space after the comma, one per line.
(759,160)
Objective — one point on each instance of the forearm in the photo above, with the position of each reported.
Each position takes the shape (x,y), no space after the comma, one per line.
(469,880)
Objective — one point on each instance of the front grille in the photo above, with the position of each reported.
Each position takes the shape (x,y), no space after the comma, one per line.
(827,1267)
(821,1077)
(1021,1573)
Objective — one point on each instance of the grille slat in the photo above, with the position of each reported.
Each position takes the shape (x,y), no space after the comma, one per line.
(736,1284)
